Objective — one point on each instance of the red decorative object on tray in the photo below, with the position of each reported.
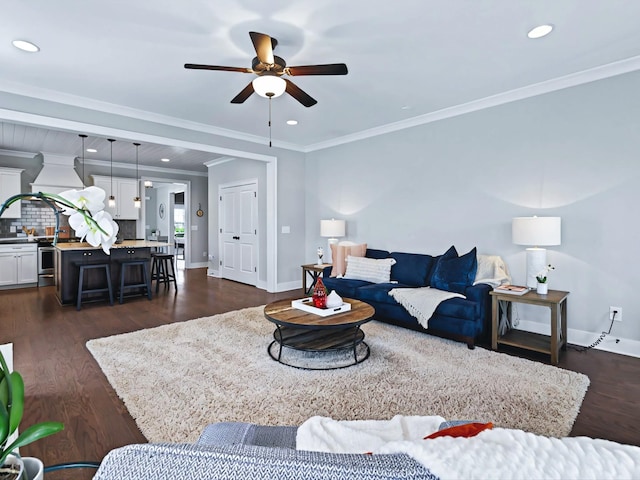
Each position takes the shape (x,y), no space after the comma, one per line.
(319,295)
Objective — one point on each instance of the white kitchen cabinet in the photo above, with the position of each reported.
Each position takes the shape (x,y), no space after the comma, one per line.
(18,264)
(10,184)
(125,190)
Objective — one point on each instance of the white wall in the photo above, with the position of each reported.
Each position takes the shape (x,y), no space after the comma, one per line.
(289,212)
(571,153)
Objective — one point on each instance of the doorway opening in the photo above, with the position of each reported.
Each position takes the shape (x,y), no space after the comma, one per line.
(164,219)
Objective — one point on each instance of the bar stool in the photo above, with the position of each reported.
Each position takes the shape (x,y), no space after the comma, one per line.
(82,291)
(143,265)
(160,266)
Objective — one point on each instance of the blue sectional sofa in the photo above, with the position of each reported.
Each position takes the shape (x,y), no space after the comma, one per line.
(463,319)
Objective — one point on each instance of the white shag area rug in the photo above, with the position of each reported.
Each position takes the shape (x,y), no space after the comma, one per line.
(177,378)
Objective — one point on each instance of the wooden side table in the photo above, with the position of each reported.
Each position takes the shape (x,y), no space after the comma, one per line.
(556,300)
(314,271)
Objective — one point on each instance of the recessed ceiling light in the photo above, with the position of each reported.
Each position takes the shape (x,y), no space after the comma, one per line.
(292,122)
(165,160)
(406,107)
(91,150)
(26,46)
(540,31)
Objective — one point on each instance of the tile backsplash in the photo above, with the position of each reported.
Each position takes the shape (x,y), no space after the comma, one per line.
(38,215)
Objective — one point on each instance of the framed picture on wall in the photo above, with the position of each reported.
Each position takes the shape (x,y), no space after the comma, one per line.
(161,210)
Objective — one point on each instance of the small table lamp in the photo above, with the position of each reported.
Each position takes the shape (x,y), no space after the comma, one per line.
(333,229)
(537,232)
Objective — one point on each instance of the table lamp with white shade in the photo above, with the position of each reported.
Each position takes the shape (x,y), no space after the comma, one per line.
(333,229)
(536,232)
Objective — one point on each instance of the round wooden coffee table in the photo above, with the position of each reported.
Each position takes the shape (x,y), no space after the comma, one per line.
(320,337)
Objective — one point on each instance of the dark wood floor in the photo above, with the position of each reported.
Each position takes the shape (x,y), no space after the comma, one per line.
(64,383)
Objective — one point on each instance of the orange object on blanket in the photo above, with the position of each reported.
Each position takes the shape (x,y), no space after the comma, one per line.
(466,430)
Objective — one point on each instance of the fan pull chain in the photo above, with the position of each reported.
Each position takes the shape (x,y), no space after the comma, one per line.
(270,97)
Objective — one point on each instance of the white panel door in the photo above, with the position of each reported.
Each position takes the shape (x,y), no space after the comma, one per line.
(239,233)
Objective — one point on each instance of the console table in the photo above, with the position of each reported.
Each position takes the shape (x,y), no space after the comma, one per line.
(556,300)
(314,271)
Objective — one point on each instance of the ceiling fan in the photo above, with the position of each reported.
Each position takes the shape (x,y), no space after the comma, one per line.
(270,69)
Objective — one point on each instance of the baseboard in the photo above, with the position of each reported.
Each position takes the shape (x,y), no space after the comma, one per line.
(610,343)
(198,265)
(285,287)
(281,287)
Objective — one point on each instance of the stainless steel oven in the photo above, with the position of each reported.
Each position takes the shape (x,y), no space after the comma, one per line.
(46,264)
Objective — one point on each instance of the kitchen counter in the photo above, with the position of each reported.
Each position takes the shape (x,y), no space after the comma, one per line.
(69,257)
(125,244)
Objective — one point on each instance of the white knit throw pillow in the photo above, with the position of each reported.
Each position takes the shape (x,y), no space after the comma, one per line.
(369,269)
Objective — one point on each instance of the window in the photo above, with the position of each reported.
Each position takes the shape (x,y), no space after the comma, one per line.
(178,220)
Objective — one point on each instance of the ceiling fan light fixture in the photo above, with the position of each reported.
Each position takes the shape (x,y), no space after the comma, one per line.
(269,86)
(540,31)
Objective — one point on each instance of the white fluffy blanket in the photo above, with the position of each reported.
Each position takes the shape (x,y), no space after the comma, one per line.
(492,270)
(323,434)
(492,454)
(421,302)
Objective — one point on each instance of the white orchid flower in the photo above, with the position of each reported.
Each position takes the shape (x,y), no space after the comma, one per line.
(98,229)
(91,199)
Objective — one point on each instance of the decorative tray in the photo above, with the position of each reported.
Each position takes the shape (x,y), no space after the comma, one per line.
(306,304)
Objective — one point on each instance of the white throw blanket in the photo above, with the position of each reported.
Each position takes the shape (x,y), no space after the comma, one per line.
(323,434)
(421,302)
(492,270)
(492,454)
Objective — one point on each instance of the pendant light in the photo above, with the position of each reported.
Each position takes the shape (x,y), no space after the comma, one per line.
(136,201)
(82,136)
(112,199)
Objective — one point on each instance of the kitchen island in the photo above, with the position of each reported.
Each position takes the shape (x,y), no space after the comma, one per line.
(70,255)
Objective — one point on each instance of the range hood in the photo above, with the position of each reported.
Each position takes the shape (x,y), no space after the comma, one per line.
(57,175)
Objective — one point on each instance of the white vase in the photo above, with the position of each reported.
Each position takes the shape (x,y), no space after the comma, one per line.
(543,288)
(34,468)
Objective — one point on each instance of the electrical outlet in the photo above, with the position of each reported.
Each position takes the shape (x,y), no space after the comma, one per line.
(618,312)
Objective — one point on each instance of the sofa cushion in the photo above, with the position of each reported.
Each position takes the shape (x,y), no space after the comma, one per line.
(369,269)
(339,254)
(411,269)
(455,274)
(344,286)
(458,307)
(378,293)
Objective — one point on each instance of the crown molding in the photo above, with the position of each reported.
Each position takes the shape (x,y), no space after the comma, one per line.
(559,83)
(575,79)
(121,110)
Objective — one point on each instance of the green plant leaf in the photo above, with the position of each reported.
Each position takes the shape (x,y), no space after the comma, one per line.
(30,435)
(4,425)
(4,392)
(16,409)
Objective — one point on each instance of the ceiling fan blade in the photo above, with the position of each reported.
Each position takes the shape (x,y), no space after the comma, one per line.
(244,94)
(330,69)
(299,94)
(263,46)
(217,67)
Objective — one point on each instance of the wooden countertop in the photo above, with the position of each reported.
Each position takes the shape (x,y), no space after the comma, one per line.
(125,244)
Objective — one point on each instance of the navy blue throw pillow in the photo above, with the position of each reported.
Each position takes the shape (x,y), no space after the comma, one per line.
(411,268)
(455,274)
